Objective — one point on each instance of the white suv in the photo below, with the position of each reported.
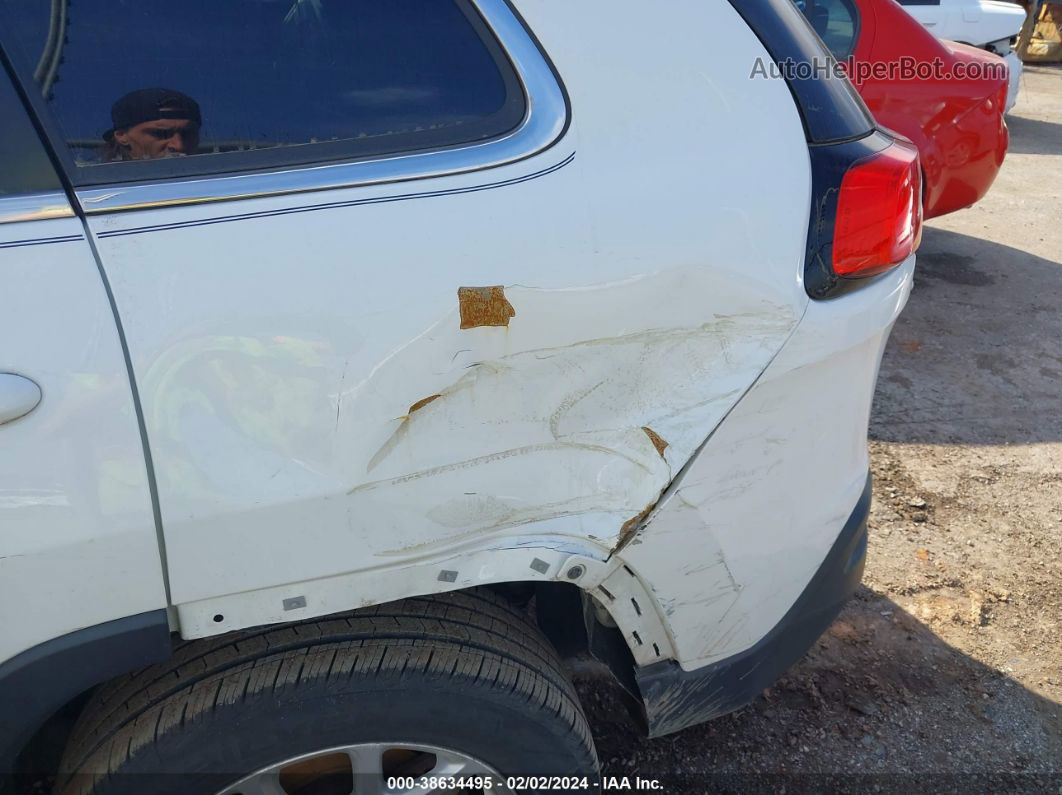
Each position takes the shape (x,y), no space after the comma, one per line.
(363,360)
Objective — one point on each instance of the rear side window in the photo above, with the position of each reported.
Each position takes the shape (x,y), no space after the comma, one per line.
(235,84)
(26,168)
(836,22)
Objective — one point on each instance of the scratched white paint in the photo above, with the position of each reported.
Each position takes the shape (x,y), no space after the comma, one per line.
(568,407)
(653,279)
(762,504)
(655,282)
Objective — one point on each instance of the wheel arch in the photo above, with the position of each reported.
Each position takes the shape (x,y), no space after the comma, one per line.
(44,681)
(616,587)
(48,685)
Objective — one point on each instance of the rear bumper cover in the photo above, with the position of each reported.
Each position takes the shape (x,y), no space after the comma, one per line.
(1014,82)
(675,699)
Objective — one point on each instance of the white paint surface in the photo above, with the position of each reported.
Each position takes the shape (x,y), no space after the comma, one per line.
(976,22)
(652,279)
(77,538)
(731,548)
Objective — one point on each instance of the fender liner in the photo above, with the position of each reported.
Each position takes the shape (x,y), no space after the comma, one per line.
(40,680)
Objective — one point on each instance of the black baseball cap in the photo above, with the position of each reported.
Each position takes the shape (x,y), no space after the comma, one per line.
(151,104)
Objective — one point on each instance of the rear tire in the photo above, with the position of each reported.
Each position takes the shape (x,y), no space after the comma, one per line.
(463,671)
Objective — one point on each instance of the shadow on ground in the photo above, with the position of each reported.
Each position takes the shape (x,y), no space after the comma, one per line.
(1034,137)
(880,704)
(976,358)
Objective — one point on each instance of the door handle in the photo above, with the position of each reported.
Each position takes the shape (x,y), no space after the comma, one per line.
(18,397)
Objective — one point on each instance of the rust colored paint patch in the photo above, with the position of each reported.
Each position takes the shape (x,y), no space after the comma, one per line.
(422,403)
(654,437)
(484,306)
(631,526)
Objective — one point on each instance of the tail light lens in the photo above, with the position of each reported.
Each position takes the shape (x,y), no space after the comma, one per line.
(879,212)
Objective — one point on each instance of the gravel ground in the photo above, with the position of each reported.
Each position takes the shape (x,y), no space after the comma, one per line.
(944,674)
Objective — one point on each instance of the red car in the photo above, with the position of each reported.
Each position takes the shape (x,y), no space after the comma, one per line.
(948,98)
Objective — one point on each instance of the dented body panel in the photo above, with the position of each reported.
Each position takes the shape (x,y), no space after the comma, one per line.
(519,358)
(580,351)
(674,698)
(757,511)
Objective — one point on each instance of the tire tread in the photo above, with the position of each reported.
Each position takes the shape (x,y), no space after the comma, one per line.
(472,638)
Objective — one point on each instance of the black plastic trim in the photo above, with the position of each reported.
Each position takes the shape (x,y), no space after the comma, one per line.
(829,107)
(674,699)
(828,167)
(40,680)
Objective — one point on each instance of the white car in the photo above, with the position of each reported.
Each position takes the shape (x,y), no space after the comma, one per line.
(992,25)
(362,360)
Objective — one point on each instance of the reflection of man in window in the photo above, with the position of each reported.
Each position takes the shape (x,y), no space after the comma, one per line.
(153,123)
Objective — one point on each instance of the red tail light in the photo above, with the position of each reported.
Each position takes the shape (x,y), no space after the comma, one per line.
(879,212)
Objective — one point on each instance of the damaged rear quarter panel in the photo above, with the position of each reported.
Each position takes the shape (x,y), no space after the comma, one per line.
(293,452)
(544,422)
(318,403)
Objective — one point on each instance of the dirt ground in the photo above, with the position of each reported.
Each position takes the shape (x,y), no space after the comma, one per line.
(945,672)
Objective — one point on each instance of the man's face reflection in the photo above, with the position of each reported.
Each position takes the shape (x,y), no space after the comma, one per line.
(162,138)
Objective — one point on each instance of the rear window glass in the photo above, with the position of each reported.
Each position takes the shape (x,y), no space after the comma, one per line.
(836,22)
(26,168)
(128,80)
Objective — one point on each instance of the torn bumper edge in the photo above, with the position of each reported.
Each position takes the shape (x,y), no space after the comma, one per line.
(675,699)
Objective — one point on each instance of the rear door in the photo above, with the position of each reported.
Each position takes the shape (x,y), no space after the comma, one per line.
(78,545)
(380,311)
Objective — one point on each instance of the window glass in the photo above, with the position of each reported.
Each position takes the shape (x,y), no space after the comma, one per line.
(836,22)
(26,168)
(129,80)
